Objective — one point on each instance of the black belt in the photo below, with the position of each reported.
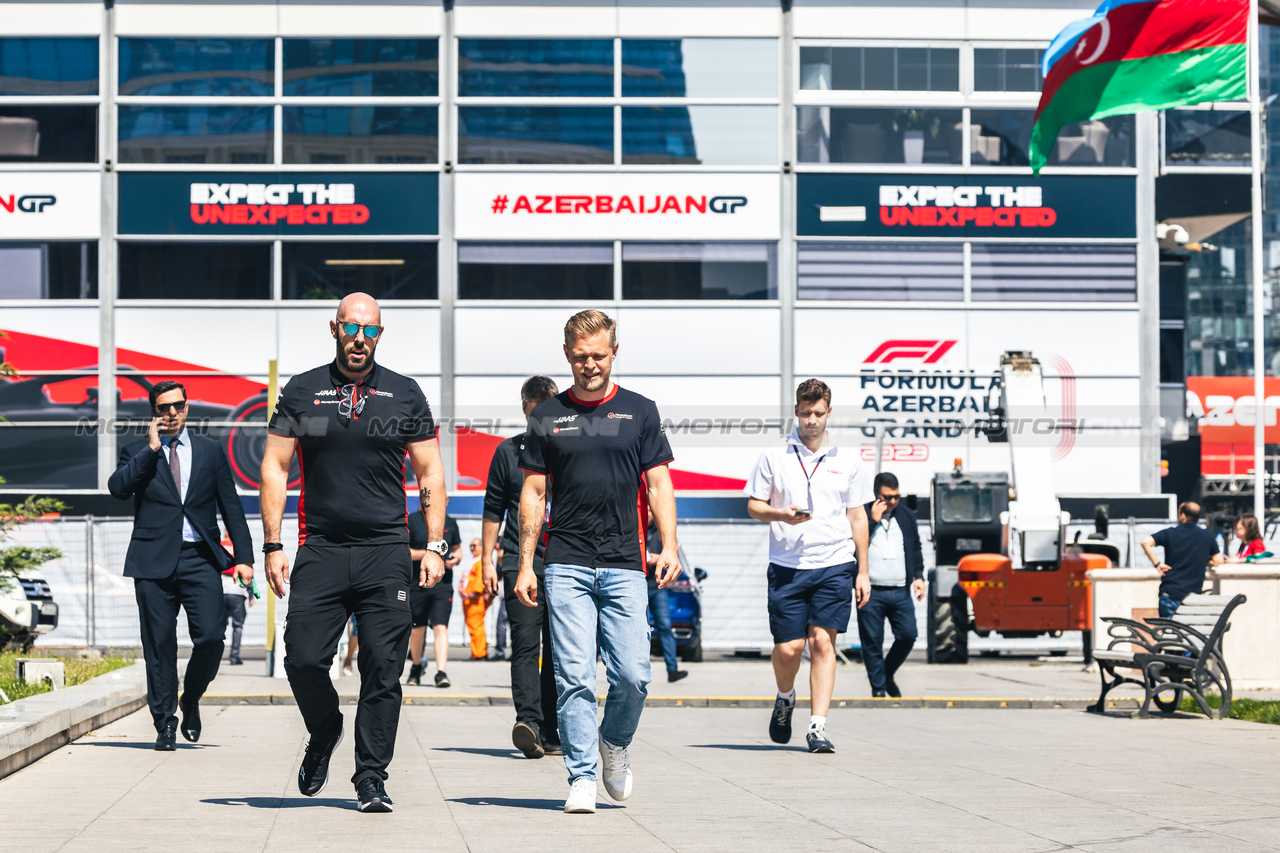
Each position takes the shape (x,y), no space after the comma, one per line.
(186,544)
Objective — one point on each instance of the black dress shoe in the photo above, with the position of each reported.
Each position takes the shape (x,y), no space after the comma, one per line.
(191,722)
(164,740)
(235,662)
(891,687)
(677,674)
(877,694)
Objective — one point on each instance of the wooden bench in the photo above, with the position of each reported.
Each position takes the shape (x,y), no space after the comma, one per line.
(1171,656)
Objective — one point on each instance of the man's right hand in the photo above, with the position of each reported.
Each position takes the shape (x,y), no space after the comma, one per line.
(527,587)
(153,434)
(788,515)
(277,572)
(489,572)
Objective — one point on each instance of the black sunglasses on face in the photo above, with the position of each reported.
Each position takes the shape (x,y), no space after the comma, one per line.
(163,408)
(890,498)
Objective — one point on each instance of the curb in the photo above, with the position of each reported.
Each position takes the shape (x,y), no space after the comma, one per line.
(711,702)
(36,726)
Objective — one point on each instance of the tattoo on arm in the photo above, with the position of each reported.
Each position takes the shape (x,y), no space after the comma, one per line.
(424,500)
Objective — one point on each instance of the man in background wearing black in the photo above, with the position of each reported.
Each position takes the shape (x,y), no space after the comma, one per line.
(1188,550)
(433,605)
(897,583)
(534,694)
(178,482)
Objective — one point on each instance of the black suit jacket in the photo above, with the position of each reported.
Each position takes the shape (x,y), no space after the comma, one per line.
(910,528)
(144,475)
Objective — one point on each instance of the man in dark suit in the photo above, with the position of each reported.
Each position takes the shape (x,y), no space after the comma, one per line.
(897,582)
(178,481)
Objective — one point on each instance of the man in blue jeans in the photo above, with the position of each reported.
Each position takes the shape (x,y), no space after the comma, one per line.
(897,583)
(599,454)
(1188,550)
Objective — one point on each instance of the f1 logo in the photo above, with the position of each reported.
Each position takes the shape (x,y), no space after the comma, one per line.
(927,352)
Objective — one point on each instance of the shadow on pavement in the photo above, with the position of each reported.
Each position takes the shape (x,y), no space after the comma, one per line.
(142,745)
(750,747)
(521,803)
(282,802)
(475,750)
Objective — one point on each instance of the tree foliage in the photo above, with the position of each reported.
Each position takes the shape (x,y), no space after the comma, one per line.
(16,559)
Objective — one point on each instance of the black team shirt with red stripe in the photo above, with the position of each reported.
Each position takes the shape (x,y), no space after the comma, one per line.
(594,455)
(352,466)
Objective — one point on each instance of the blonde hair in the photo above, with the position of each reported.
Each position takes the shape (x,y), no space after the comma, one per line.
(584,324)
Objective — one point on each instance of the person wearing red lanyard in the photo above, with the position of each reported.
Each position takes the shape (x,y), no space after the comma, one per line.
(1250,538)
(813,495)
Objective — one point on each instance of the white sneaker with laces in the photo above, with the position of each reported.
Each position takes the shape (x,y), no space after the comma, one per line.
(616,770)
(582,797)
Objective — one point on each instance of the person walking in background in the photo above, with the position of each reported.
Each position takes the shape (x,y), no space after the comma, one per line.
(896,572)
(501,624)
(179,482)
(433,606)
(1249,537)
(600,454)
(475,602)
(660,604)
(235,598)
(1189,550)
(533,688)
(353,646)
(813,495)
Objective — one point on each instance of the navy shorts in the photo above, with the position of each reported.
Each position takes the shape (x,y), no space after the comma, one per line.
(799,598)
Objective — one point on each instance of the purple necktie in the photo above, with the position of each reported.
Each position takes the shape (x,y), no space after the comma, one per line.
(175,465)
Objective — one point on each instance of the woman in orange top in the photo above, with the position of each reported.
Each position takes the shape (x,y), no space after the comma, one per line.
(475,601)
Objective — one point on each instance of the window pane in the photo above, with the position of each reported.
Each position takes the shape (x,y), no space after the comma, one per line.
(1104,142)
(49,457)
(854,135)
(383,270)
(221,67)
(361,67)
(880,271)
(195,135)
(1000,137)
(706,135)
(48,66)
(1206,138)
(535,271)
(535,67)
(1007,69)
(360,135)
(195,270)
(1053,273)
(535,135)
(699,271)
(49,134)
(700,68)
(48,271)
(886,69)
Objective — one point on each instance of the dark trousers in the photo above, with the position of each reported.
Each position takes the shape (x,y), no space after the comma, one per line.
(660,607)
(235,612)
(532,692)
(327,585)
(196,587)
(894,604)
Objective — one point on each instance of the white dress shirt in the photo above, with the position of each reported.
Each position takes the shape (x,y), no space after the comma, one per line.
(887,553)
(183,441)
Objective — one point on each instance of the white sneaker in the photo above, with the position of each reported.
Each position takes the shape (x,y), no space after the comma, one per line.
(582,797)
(616,770)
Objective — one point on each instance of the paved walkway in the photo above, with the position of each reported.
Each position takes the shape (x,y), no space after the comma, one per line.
(706,779)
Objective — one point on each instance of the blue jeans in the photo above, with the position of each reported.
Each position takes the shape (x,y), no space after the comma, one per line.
(897,606)
(1168,606)
(587,604)
(660,605)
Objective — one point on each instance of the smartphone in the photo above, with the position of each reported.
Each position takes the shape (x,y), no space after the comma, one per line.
(803,513)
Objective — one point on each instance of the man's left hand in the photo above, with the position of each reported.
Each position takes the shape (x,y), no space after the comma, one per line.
(242,574)
(667,567)
(917,589)
(862,588)
(431,570)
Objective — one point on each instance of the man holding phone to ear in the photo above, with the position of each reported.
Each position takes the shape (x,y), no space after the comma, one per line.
(812,494)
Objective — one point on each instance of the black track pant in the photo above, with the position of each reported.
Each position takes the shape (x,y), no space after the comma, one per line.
(532,692)
(196,586)
(327,584)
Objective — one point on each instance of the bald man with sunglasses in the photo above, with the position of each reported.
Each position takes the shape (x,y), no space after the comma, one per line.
(351,423)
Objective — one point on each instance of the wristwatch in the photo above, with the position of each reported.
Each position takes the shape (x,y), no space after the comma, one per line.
(441,548)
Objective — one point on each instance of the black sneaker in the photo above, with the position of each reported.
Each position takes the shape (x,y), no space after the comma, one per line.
(677,674)
(313,775)
(373,797)
(415,675)
(552,747)
(818,741)
(780,722)
(442,680)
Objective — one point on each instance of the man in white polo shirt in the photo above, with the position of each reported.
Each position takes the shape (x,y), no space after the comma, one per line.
(813,497)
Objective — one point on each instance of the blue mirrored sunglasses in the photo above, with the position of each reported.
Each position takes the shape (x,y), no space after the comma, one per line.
(369,331)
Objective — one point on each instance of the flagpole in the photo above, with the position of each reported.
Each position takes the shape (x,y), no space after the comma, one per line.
(1259,353)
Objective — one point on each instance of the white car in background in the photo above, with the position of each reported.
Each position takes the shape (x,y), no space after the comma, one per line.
(27,610)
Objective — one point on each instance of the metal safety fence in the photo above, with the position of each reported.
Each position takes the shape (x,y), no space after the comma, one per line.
(97,606)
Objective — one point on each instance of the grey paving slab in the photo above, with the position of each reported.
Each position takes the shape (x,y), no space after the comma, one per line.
(706,779)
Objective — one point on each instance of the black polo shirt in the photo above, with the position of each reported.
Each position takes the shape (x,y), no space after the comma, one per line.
(594,455)
(352,465)
(502,496)
(1187,549)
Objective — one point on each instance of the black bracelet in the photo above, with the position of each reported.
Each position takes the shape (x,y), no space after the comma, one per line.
(272,547)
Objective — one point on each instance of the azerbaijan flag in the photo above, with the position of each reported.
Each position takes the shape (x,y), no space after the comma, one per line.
(1137,55)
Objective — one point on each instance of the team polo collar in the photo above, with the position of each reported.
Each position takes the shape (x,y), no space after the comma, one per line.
(606,398)
(339,378)
(793,441)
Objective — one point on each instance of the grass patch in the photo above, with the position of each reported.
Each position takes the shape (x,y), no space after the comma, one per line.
(78,670)
(1249,710)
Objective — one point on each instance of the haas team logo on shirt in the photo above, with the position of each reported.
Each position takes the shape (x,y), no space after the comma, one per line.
(618,415)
